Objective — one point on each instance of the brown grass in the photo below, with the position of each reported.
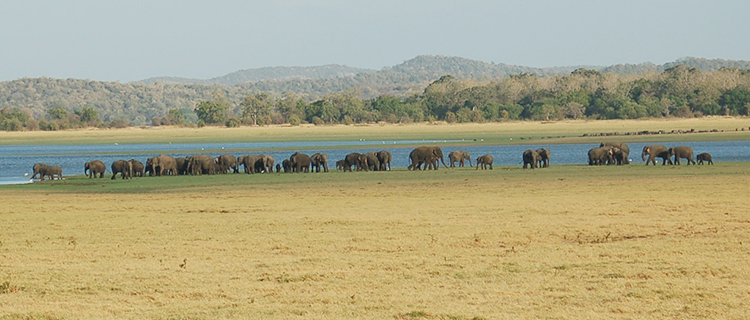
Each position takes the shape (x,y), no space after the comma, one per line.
(491,132)
(566,242)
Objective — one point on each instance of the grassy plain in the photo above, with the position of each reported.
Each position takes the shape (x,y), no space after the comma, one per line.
(483,133)
(566,242)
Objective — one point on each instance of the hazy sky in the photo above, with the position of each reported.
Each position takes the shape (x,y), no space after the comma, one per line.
(133,40)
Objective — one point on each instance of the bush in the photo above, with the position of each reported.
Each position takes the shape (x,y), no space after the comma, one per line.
(318,121)
(119,123)
(294,120)
(233,123)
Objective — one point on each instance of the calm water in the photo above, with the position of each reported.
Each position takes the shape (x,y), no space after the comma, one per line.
(17,161)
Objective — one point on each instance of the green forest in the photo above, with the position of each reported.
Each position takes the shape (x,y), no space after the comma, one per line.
(401,94)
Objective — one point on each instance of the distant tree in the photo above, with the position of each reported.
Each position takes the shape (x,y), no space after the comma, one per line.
(214,111)
(57,113)
(175,117)
(210,112)
(256,107)
(88,116)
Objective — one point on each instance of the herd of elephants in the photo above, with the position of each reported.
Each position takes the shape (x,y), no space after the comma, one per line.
(421,158)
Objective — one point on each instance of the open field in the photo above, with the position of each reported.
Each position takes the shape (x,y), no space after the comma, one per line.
(566,242)
(486,133)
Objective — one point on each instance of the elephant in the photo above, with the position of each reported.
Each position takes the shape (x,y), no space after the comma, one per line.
(319,160)
(201,164)
(624,149)
(248,161)
(530,159)
(459,156)
(278,167)
(484,161)
(138,167)
(266,162)
(340,164)
(149,167)
(181,166)
(704,157)
(543,161)
(373,164)
(656,151)
(123,167)
(300,162)
(163,164)
(619,157)
(53,171)
(385,158)
(39,169)
(355,159)
(43,170)
(287,165)
(225,162)
(94,167)
(427,155)
(681,152)
(600,156)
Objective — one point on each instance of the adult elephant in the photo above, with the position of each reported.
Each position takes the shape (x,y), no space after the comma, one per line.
(138,167)
(94,167)
(181,163)
(624,149)
(484,161)
(163,164)
(704,157)
(619,156)
(300,162)
(248,161)
(44,170)
(385,159)
(544,157)
(428,156)
(266,162)
(201,164)
(355,159)
(319,161)
(123,167)
(40,169)
(373,164)
(459,156)
(683,152)
(226,162)
(530,159)
(600,155)
(656,151)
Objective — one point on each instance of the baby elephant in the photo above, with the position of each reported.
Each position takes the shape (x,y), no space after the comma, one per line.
(484,161)
(704,157)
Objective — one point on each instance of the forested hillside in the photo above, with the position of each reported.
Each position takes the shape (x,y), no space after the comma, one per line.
(422,89)
(269,73)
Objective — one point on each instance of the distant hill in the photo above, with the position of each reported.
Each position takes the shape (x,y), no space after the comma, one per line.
(269,73)
(410,76)
(140,101)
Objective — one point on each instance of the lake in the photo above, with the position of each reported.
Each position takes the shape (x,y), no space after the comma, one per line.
(16,161)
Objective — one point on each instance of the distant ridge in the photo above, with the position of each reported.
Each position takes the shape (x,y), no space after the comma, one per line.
(268,73)
(411,75)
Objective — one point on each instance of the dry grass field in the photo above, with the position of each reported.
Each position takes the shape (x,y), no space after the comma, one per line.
(491,133)
(566,242)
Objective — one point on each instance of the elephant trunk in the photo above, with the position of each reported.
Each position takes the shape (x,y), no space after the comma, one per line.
(643,155)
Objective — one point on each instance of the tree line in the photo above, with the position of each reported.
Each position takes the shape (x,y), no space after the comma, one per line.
(680,91)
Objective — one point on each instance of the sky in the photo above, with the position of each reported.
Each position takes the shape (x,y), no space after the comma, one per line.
(135,40)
